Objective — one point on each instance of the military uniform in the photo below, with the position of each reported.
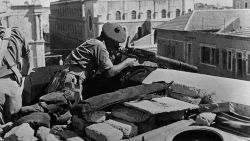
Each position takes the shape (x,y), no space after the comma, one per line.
(11,85)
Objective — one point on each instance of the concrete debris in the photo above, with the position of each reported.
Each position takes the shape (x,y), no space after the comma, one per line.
(103,132)
(188,99)
(205,119)
(210,99)
(128,129)
(57,128)
(130,114)
(20,133)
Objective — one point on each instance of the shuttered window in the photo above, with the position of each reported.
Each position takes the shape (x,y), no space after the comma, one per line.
(209,55)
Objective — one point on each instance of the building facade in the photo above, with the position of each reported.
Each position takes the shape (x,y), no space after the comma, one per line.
(30,20)
(72,22)
(216,41)
(241,4)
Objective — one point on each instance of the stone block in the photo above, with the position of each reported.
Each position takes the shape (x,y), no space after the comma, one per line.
(129,129)
(95,117)
(171,116)
(103,132)
(188,90)
(22,132)
(43,134)
(205,119)
(130,114)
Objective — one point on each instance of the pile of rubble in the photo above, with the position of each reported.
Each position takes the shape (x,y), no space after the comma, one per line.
(151,117)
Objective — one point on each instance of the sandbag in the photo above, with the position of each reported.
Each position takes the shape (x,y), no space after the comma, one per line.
(35,120)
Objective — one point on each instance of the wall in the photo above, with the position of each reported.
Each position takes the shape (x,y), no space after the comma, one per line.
(89,17)
(221,42)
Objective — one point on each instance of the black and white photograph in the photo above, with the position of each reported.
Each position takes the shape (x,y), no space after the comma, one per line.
(124,70)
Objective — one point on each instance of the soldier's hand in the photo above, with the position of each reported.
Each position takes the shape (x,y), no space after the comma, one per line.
(130,62)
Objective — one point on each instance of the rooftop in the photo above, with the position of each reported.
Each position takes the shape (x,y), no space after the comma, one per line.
(211,20)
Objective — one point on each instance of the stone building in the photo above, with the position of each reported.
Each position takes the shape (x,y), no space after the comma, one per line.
(216,41)
(241,4)
(30,20)
(72,22)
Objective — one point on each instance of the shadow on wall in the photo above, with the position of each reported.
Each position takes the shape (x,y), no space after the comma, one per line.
(143,30)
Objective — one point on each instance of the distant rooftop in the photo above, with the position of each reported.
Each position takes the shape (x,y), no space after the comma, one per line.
(210,20)
(242,33)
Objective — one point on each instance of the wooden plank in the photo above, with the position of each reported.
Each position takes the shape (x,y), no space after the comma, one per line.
(161,105)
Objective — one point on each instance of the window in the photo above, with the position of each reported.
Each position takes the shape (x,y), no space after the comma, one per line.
(246,6)
(239,62)
(209,55)
(188,52)
(229,60)
(178,12)
(163,13)
(149,14)
(248,63)
(133,14)
(224,59)
(118,15)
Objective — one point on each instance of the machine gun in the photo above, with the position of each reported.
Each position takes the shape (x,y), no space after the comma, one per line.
(162,62)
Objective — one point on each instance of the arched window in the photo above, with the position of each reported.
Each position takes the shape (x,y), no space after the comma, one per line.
(133,14)
(178,12)
(149,14)
(163,13)
(118,15)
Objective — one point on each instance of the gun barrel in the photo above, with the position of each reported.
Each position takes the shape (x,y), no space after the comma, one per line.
(181,65)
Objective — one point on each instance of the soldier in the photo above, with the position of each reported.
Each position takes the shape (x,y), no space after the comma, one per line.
(91,57)
(14,64)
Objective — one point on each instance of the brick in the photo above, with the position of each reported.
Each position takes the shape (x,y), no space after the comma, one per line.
(130,114)
(103,132)
(129,129)
(95,117)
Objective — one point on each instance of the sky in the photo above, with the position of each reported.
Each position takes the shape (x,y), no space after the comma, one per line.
(45,3)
